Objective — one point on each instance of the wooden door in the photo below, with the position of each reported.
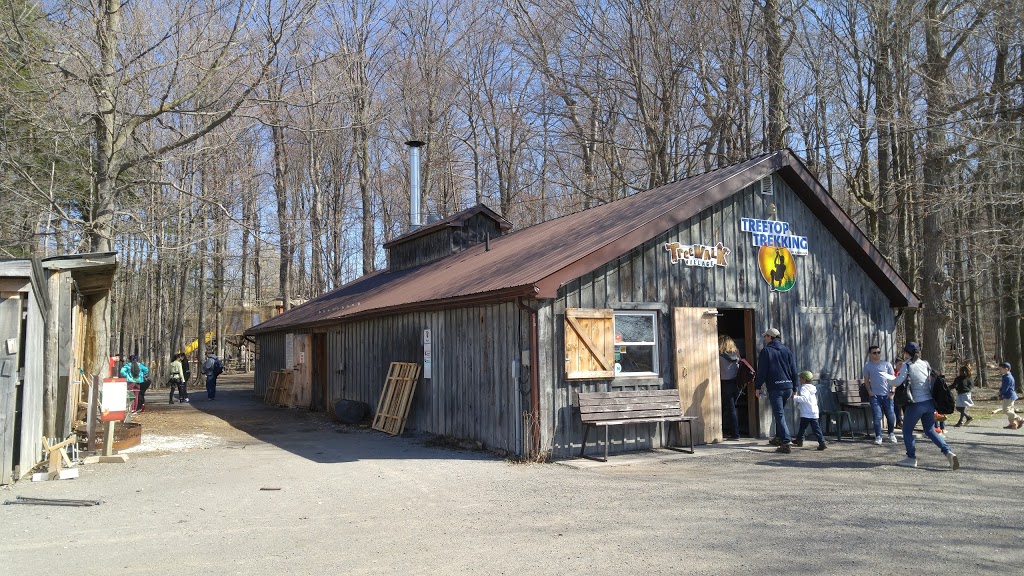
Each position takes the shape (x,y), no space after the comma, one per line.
(302,385)
(10,333)
(695,333)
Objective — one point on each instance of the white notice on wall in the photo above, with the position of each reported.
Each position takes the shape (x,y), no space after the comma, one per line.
(426,353)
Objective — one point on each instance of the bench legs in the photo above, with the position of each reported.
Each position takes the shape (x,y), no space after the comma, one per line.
(586,435)
(583,448)
(679,424)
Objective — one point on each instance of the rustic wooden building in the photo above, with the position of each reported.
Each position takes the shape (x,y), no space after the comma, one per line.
(46,325)
(629,295)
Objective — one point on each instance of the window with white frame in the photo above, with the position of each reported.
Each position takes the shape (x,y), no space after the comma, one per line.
(636,343)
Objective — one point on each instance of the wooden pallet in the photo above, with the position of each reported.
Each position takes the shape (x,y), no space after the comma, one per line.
(396,398)
(279,389)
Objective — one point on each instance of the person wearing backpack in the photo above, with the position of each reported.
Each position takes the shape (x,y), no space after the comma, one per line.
(212,368)
(728,367)
(137,373)
(918,375)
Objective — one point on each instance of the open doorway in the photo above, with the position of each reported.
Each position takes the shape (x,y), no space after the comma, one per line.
(738,324)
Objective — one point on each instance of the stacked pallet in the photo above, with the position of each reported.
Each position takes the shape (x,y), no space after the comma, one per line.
(279,391)
(395,400)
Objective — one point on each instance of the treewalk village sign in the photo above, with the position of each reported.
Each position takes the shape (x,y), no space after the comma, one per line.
(523,321)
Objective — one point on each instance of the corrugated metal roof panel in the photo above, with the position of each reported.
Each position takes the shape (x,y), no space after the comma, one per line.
(553,252)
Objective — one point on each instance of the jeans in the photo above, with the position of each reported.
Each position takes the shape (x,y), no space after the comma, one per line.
(925,413)
(211,386)
(778,399)
(143,386)
(815,427)
(880,404)
(182,388)
(730,394)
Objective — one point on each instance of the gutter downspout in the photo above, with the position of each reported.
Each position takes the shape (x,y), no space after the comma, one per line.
(534,378)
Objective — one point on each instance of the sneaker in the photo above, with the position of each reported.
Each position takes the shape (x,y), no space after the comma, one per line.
(798,443)
(784,449)
(954,462)
(1020,422)
(732,438)
(878,440)
(892,438)
(776,441)
(186,401)
(822,446)
(907,462)
(969,418)
(1011,426)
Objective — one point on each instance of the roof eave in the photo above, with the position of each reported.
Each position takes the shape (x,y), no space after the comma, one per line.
(527,290)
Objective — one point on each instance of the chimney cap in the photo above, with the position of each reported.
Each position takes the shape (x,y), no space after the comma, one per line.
(415,143)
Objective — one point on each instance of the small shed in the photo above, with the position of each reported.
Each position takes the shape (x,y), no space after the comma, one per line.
(629,295)
(47,343)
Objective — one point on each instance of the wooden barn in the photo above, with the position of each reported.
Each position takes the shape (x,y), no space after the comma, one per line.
(509,326)
(47,322)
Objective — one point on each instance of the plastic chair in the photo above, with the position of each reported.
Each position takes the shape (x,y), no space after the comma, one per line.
(835,416)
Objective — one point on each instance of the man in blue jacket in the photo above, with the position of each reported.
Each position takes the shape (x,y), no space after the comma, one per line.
(1008,395)
(776,372)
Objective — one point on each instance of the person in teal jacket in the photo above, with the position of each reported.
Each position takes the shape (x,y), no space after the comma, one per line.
(137,373)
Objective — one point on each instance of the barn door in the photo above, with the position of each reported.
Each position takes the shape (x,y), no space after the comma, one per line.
(10,344)
(695,333)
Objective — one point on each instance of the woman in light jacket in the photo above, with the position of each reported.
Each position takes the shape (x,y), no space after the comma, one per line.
(918,373)
(137,373)
(728,366)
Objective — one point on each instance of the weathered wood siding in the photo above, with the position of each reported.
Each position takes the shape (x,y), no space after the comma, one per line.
(829,318)
(271,358)
(472,394)
(442,242)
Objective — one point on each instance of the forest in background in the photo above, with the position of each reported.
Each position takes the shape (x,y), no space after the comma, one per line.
(240,153)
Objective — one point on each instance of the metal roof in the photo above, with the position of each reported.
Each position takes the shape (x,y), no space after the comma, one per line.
(538,260)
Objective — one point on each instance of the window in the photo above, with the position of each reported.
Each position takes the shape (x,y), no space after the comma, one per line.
(636,343)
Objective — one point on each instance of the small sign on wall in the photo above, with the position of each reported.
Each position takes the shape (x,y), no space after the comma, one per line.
(427,353)
(699,255)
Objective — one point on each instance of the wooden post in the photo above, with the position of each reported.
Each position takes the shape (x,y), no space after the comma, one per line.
(93,412)
(108,438)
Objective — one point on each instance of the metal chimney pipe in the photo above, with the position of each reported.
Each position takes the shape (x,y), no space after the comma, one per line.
(414,182)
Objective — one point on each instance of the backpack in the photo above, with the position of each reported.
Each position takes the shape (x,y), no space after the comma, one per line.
(942,395)
(218,367)
(745,373)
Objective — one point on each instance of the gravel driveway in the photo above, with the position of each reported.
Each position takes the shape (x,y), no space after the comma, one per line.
(192,500)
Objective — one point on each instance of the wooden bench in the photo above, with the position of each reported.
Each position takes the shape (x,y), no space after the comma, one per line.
(631,407)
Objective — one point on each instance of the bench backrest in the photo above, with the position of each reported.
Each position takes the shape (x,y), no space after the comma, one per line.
(629,405)
(850,392)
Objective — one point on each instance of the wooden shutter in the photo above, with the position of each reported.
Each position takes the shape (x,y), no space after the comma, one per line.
(589,343)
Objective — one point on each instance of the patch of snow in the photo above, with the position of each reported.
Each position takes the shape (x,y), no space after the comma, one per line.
(156,443)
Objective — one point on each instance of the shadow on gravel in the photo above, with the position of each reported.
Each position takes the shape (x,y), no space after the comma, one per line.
(312,435)
(818,464)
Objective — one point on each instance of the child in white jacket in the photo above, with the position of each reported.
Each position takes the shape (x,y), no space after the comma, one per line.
(807,403)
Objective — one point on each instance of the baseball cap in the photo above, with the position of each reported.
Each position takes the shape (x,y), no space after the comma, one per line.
(807,375)
(911,348)
(773,332)
(1005,365)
